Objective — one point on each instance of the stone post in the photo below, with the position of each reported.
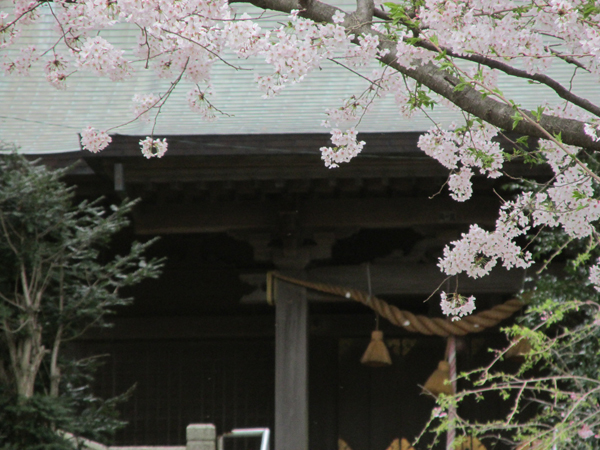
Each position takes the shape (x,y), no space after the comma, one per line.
(201,436)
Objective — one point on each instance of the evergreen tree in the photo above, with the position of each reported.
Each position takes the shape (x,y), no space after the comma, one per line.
(56,281)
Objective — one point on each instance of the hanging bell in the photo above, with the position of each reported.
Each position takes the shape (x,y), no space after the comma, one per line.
(377,354)
(439,381)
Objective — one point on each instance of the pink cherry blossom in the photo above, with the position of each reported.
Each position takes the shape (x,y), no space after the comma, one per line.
(94,140)
(585,432)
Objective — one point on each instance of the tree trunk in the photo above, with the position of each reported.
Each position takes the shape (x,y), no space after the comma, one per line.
(27,360)
(54,368)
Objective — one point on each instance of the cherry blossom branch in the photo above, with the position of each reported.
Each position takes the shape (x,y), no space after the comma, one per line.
(30,10)
(554,139)
(350,69)
(439,81)
(524,114)
(560,90)
(157,104)
(568,59)
(490,110)
(215,54)
(64,33)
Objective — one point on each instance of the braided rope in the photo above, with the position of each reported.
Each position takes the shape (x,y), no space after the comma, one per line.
(431,326)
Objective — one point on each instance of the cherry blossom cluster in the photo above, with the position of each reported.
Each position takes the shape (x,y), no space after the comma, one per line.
(244,36)
(567,202)
(460,151)
(504,30)
(346,147)
(198,102)
(56,72)
(153,148)
(456,305)
(25,11)
(8,33)
(143,104)
(460,184)
(594,275)
(100,56)
(21,65)
(478,252)
(366,50)
(94,140)
(297,48)
(409,55)
(585,432)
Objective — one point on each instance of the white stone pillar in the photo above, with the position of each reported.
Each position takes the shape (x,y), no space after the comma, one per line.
(201,436)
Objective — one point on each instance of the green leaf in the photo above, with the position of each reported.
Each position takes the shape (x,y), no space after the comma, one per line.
(516,117)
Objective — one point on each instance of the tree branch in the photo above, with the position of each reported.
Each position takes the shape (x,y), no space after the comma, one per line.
(440,82)
(560,90)
(364,10)
(381,14)
(488,109)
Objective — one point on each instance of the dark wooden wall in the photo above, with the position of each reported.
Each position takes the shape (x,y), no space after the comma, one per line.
(230,382)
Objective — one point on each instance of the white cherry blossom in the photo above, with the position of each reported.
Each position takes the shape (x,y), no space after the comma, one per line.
(94,140)
(153,148)
(456,306)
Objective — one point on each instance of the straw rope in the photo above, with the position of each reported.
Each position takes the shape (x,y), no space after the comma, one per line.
(432,326)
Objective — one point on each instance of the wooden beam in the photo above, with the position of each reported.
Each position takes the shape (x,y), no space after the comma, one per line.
(207,216)
(188,328)
(400,279)
(261,144)
(250,168)
(291,367)
(394,212)
(333,325)
(414,278)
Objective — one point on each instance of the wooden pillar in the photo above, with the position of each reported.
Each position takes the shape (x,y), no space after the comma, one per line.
(291,367)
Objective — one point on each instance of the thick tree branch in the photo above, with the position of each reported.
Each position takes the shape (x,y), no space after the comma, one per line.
(492,111)
(381,14)
(364,10)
